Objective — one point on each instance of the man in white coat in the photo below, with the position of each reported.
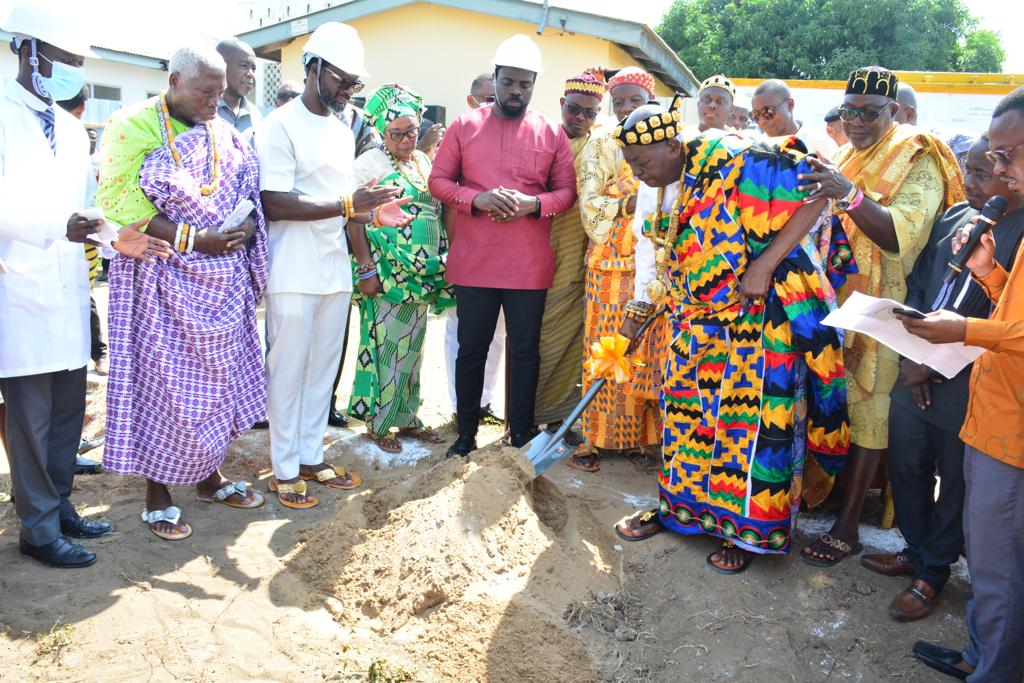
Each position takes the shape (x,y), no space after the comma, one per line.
(44,283)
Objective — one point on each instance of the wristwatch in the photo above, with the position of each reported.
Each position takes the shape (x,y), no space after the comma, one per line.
(851,200)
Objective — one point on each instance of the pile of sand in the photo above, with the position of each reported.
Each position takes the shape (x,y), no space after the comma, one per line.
(463,572)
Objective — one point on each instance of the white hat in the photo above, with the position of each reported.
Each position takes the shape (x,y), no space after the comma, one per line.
(49,23)
(339,45)
(519,52)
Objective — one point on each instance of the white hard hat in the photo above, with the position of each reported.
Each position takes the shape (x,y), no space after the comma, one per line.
(339,45)
(519,52)
(51,23)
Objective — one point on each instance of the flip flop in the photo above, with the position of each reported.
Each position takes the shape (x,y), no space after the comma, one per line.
(380,441)
(646,517)
(424,434)
(584,463)
(324,476)
(297,488)
(227,490)
(727,545)
(844,550)
(171,515)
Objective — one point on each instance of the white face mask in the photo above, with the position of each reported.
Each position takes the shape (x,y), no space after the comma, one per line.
(64,82)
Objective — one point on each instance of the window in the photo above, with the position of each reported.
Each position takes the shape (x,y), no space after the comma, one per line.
(103,101)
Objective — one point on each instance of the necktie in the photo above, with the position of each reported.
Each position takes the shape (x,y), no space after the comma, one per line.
(46,119)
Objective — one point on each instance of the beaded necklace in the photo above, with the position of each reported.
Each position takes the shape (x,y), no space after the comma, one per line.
(167,133)
(419,183)
(665,239)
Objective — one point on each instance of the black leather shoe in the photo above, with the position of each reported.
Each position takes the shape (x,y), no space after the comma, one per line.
(940,658)
(262,424)
(520,439)
(76,527)
(336,419)
(488,416)
(463,446)
(61,553)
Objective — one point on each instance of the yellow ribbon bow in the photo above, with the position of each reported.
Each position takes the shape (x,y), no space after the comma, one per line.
(609,359)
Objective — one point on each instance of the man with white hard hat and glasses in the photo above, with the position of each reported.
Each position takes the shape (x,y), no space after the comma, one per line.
(309,193)
(506,171)
(44,282)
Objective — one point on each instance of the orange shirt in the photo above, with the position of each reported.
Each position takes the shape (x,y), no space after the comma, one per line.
(995,410)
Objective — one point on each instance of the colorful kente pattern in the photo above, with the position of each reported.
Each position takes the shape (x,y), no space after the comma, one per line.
(730,380)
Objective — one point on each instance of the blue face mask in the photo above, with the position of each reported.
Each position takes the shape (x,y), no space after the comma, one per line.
(65,81)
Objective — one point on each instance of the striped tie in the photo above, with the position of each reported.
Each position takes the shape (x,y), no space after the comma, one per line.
(46,120)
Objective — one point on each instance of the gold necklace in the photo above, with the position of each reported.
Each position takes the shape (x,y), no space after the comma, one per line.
(665,239)
(421,183)
(167,132)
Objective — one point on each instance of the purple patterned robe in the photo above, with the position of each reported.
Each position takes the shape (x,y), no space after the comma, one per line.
(186,366)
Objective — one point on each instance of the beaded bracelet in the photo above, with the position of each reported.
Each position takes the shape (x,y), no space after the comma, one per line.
(350,209)
(191,240)
(181,238)
(365,268)
(368,274)
(639,310)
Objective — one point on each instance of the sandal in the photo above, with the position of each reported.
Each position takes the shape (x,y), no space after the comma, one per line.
(748,557)
(388,444)
(585,463)
(647,518)
(424,434)
(824,543)
(295,488)
(324,476)
(171,515)
(231,488)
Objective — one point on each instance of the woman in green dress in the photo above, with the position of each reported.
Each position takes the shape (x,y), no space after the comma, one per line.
(400,276)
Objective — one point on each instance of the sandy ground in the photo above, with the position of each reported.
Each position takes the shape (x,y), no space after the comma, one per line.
(439,570)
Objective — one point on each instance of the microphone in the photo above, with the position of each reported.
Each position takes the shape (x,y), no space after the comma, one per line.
(994,209)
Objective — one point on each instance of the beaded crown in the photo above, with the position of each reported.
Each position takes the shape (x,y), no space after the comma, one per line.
(718,81)
(656,128)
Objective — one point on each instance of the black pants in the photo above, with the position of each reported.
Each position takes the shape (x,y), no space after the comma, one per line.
(478,309)
(44,424)
(932,528)
(97,348)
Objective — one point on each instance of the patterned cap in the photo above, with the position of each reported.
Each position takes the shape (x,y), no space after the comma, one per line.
(660,126)
(590,83)
(832,116)
(718,81)
(873,80)
(389,102)
(635,76)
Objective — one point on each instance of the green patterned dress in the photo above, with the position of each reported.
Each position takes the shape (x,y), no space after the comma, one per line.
(410,263)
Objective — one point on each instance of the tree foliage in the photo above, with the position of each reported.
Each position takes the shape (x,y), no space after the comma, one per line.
(826,39)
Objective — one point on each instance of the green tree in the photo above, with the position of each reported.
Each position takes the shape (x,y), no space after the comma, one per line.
(825,39)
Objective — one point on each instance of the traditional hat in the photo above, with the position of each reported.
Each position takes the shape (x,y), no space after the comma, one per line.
(389,102)
(873,80)
(832,116)
(587,83)
(518,52)
(657,126)
(718,81)
(632,75)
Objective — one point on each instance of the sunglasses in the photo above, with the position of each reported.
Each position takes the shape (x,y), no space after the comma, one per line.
(848,114)
(285,96)
(766,113)
(487,100)
(576,110)
(344,83)
(411,134)
(1004,156)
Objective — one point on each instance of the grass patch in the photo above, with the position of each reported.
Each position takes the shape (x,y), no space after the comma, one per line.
(53,643)
(381,671)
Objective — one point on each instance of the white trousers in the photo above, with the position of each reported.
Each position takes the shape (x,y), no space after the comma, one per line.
(451,347)
(304,337)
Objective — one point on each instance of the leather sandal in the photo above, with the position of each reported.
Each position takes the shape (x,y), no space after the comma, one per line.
(916,602)
(748,557)
(327,473)
(295,488)
(638,520)
(827,541)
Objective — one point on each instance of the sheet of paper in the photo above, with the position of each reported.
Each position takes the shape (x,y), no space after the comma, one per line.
(873,317)
(3,268)
(237,215)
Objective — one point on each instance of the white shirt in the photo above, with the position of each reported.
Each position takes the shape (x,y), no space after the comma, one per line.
(44,294)
(313,156)
(643,254)
(816,139)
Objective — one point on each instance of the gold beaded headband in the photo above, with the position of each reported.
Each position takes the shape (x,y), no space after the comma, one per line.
(656,128)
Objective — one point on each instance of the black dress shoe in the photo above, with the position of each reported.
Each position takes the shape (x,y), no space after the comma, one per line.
(463,446)
(262,424)
(336,419)
(520,439)
(76,527)
(940,658)
(61,553)
(488,417)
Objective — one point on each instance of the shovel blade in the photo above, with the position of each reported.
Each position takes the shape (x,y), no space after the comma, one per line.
(544,450)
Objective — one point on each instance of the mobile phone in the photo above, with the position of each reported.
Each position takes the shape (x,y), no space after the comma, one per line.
(908,312)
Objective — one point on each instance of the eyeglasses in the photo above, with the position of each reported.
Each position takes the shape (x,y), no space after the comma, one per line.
(848,114)
(1004,156)
(767,113)
(397,135)
(576,110)
(285,96)
(344,83)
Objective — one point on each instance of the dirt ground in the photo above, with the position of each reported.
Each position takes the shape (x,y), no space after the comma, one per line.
(439,571)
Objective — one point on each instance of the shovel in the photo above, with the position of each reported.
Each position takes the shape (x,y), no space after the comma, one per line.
(547,448)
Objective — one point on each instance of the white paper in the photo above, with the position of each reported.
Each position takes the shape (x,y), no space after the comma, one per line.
(237,215)
(873,317)
(3,268)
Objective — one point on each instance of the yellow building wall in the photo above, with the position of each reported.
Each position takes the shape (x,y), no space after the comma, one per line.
(438,51)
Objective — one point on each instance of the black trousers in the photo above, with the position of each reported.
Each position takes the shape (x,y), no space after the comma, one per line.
(932,528)
(478,309)
(97,348)
(44,424)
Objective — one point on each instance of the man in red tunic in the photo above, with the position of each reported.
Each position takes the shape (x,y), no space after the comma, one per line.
(506,171)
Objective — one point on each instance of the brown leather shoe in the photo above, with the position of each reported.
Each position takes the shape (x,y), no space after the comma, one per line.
(888,564)
(916,602)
